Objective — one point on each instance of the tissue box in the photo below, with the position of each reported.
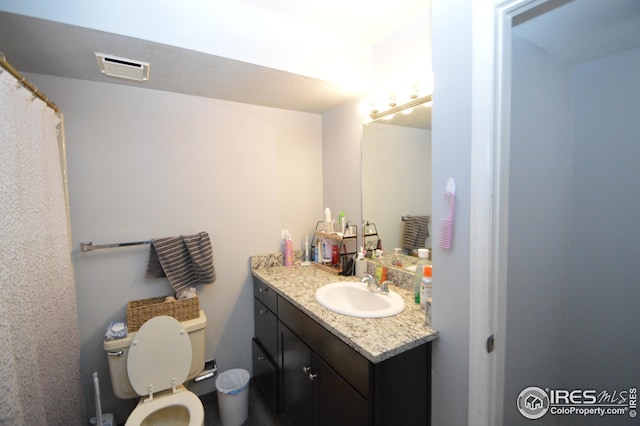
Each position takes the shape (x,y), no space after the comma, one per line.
(140,311)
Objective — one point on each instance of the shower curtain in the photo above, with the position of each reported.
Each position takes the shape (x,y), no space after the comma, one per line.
(39,342)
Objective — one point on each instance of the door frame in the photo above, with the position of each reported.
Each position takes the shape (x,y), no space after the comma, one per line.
(490,130)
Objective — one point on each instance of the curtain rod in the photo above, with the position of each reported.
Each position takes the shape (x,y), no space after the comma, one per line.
(26,83)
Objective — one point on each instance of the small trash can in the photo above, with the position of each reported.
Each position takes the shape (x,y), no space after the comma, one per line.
(233,396)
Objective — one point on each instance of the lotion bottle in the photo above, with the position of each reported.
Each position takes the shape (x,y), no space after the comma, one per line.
(425,287)
(288,251)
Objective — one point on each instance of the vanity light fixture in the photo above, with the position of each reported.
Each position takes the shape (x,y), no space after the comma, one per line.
(395,108)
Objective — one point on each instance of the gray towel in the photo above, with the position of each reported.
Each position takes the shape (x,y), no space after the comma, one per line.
(184,260)
(416,232)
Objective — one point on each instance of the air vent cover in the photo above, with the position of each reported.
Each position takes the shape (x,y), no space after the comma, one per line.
(115,66)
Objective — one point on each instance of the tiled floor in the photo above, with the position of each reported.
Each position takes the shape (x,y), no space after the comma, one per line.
(259,413)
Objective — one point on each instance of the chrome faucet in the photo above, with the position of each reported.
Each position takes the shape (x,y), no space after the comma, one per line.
(381,288)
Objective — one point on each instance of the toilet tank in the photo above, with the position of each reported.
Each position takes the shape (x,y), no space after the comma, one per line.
(117,351)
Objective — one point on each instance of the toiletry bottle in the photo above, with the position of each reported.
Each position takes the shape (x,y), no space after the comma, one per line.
(306,259)
(335,255)
(397,257)
(416,282)
(318,251)
(381,273)
(327,251)
(327,214)
(342,222)
(361,264)
(288,251)
(425,287)
(328,224)
(423,260)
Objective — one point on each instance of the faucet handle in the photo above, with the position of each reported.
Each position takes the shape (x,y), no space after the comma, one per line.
(370,282)
(367,279)
(384,287)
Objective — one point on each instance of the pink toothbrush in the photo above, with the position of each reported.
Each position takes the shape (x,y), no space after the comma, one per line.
(446,225)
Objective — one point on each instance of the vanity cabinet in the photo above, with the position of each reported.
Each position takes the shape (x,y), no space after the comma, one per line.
(313,392)
(321,381)
(265,344)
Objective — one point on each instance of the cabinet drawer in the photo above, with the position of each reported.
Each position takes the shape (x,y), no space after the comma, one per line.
(266,328)
(346,361)
(265,294)
(265,376)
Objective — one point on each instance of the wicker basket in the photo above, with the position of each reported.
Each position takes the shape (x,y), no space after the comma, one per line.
(140,311)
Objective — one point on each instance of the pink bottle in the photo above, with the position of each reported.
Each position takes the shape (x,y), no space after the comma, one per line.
(288,252)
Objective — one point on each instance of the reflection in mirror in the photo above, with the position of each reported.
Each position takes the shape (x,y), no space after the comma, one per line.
(396,177)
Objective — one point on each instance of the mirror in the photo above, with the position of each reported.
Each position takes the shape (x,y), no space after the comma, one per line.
(396,175)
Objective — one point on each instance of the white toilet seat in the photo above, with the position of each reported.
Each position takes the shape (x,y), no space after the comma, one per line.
(182,398)
(157,365)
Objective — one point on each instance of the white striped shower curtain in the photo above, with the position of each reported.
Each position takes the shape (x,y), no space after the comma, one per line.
(39,343)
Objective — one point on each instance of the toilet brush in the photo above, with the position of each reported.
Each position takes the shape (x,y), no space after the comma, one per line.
(96,384)
(100,419)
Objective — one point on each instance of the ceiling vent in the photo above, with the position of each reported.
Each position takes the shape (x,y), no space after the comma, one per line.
(115,66)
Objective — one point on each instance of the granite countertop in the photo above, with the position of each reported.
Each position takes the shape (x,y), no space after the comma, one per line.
(377,339)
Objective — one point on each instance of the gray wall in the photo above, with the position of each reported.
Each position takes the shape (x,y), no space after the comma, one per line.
(144,164)
(603,292)
(341,130)
(540,185)
(396,178)
(451,157)
(573,282)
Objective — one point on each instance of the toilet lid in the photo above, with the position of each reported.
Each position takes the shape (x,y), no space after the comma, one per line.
(159,352)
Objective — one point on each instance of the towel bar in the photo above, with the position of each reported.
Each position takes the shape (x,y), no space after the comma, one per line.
(89,246)
(407,217)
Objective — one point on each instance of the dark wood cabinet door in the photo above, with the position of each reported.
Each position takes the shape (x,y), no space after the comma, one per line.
(297,392)
(338,404)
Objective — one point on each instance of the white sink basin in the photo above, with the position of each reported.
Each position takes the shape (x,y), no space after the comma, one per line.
(354,299)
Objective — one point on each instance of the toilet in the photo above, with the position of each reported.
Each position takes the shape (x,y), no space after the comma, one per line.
(153,364)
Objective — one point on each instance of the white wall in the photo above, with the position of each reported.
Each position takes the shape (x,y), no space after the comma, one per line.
(146,164)
(404,57)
